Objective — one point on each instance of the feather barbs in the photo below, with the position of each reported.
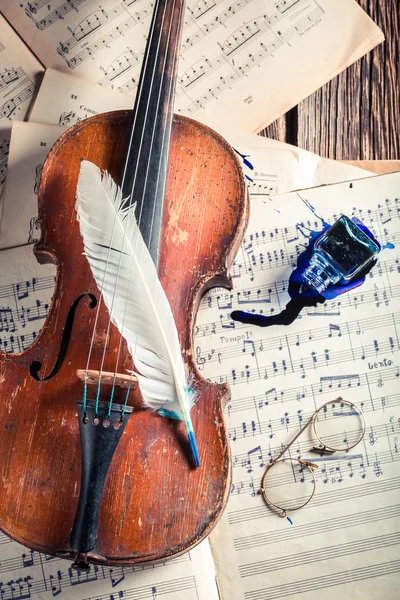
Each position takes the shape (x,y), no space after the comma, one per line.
(128,281)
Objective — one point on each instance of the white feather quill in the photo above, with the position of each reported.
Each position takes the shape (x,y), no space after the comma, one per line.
(127,278)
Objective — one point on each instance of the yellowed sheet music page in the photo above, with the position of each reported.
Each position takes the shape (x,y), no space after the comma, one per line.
(30,144)
(65,100)
(19,79)
(243,62)
(345,542)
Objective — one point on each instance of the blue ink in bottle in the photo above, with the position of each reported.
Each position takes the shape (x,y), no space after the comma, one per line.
(339,255)
(335,261)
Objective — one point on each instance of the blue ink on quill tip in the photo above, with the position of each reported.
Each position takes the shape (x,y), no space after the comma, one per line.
(193,447)
(249,178)
(290,520)
(169,414)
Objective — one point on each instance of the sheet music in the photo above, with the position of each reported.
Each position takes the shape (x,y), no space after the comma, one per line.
(65,100)
(19,73)
(30,144)
(234,58)
(345,543)
(26,289)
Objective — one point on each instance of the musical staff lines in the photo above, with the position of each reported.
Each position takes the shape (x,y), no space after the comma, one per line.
(120,65)
(279,376)
(241,39)
(366,489)
(324,581)
(374,219)
(94,22)
(23,308)
(328,553)
(327,386)
(18,74)
(27,574)
(4,150)
(16,89)
(54,575)
(52,17)
(198,11)
(230,69)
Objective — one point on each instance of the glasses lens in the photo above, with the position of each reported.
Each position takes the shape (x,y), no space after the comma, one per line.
(339,425)
(288,484)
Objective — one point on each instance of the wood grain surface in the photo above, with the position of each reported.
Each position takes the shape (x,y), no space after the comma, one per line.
(356,115)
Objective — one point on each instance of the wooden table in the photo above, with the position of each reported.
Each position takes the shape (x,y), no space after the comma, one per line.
(356,116)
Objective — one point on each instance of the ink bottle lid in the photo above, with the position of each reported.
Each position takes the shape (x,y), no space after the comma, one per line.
(339,254)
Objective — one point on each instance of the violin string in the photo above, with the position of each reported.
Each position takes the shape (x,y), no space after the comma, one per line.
(168,49)
(139,95)
(131,215)
(170,100)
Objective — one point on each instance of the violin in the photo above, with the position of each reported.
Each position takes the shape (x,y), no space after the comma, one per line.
(114,486)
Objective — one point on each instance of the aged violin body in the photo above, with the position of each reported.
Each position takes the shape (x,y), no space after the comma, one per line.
(126,488)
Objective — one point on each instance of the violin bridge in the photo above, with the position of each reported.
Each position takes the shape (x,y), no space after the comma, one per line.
(92,378)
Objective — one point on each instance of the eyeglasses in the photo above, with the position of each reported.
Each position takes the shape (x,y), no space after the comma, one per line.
(288,484)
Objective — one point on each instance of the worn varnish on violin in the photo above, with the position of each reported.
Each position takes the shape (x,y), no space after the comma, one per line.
(155,502)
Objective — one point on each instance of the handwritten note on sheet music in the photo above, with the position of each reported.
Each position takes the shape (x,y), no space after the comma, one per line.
(348,537)
(235,55)
(19,71)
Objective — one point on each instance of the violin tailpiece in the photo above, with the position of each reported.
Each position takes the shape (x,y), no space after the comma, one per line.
(100,433)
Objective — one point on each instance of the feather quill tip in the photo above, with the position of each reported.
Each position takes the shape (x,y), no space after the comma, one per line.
(193,447)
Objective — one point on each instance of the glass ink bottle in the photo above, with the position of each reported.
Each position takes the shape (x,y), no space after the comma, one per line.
(342,252)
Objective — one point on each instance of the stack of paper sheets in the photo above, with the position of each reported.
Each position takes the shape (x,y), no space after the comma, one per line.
(243,64)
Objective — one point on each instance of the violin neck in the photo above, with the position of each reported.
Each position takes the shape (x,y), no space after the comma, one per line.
(144,174)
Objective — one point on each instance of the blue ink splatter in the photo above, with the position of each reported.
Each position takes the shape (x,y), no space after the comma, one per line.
(290,520)
(314,212)
(244,157)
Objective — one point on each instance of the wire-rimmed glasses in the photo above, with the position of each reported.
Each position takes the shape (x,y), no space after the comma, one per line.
(338,426)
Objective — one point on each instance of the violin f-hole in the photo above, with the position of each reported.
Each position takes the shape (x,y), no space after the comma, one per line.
(36,365)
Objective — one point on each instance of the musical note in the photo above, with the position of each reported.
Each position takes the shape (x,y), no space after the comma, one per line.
(116,576)
(28,560)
